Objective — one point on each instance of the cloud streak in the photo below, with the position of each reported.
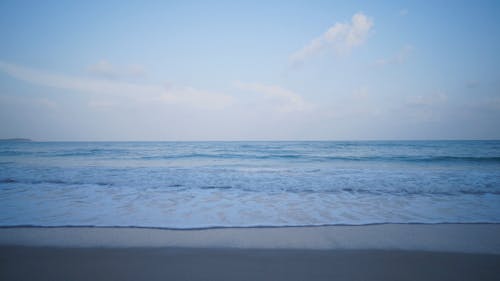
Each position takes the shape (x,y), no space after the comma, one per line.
(284,100)
(341,37)
(105,69)
(177,95)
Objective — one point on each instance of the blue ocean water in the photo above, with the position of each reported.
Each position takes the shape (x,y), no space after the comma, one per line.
(208,184)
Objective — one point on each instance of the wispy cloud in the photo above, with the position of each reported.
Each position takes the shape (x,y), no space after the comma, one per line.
(342,37)
(105,69)
(196,97)
(183,95)
(403,12)
(284,100)
(400,57)
(76,83)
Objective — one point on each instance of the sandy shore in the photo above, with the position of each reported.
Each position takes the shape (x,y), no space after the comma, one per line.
(468,238)
(52,263)
(375,252)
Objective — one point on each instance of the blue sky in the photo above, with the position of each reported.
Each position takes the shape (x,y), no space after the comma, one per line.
(227,70)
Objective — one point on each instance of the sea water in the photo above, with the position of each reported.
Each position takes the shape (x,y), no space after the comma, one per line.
(223,184)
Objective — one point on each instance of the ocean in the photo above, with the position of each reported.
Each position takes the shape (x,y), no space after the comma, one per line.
(238,184)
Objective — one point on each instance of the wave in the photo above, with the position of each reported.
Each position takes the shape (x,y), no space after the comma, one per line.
(421,152)
(8,180)
(179,187)
(16,153)
(66,153)
(407,192)
(117,154)
(52,181)
(91,152)
(424,159)
(326,158)
(223,156)
(216,187)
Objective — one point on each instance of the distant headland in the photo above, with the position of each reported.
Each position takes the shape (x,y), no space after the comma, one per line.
(15,140)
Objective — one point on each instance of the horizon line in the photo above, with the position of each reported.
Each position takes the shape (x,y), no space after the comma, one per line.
(253,140)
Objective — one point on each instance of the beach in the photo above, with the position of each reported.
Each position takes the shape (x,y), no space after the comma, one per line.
(255,140)
(373,210)
(371,252)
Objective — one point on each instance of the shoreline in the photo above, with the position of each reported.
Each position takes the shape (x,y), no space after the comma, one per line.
(460,238)
(244,226)
(433,252)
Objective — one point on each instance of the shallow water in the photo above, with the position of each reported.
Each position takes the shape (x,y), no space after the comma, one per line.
(204,184)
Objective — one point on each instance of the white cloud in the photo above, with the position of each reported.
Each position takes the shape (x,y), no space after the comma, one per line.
(284,100)
(400,57)
(342,37)
(140,92)
(107,109)
(403,12)
(107,70)
(83,84)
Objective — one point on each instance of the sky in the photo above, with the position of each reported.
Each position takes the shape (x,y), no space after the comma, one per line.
(253,70)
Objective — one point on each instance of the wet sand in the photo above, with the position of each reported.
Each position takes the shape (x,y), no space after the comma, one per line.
(56,263)
(375,252)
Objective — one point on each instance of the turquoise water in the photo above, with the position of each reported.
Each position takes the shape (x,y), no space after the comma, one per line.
(206,184)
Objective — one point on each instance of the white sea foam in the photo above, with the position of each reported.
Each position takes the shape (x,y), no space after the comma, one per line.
(193,185)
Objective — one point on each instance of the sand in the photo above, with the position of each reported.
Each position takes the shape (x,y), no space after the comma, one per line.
(469,238)
(53,263)
(375,252)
